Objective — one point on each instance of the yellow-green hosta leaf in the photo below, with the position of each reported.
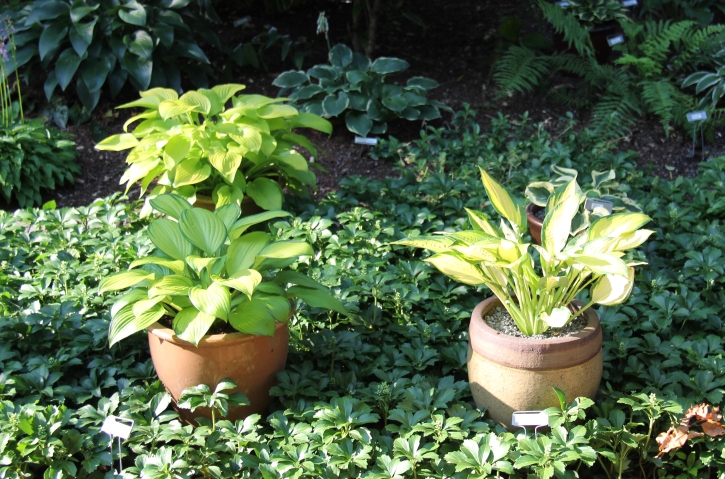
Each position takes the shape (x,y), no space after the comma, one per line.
(276,111)
(617,225)
(476,253)
(171,108)
(613,289)
(204,229)
(632,240)
(226,162)
(509,251)
(170,205)
(249,138)
(228,194)
(244,281)
(226,91)
(560,211)
(470,237)
(214,300)
(139,170)
(125,322)
(123,280)
(178,147)
(174,265)
(456,268)
(267,194)
(505,204)
(129,298)
(191,172)
(309,120)
(601,245)
(120,142)
(258,315)
(198,100)
(602,264)
(191,325)
(292,159)
(228,213)
(197,263)
(437,243)
(479,221)
(558,317)
(173,285)
(141,308)
(286,249)
(243,251)
(241,225)
(166,236)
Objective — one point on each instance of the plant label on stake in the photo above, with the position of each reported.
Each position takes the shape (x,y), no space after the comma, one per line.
(629,3)
(120,428)
(359,140)
(529,418)
(563,4)
(615,40)
(696,117)
(592,203)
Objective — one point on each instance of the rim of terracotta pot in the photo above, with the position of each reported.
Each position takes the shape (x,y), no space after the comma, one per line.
(208,341)
(531,210)
(537,354)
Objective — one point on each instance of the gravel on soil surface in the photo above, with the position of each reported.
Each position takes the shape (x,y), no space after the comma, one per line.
(501,321)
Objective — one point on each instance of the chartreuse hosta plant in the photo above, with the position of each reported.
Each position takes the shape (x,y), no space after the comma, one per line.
(499,258)
(194,144)
(207,269)
(603,186)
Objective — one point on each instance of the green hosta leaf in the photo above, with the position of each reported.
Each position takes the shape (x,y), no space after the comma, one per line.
(293,277)
(191,172)
(66,66)
(174,285)
(456,268)
(228,214)
(123,280)
(170,205)
(613,289)
(291,79)
(317,298)
(386,65)
(174,265)
(197,263)
(198,100)
(358,123)
(125,323)
(243,251)
(133,296)
(51,38)
(267,194)
(340,56)
(133,13)
(334,105)
(171,108)
(309,120)
(166,236)
(437,244)
(215,300)
(177,147)
(258,315)
(139,68)
(226,91)
(121,142)
(506,206)
(245,281)
(140,43)
(422,82)
(191,325)
(204,229)
(241,225)
(538,192)
(286,249)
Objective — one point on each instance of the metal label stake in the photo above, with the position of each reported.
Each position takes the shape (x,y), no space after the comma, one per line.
(697,117)
(120,428)
(530,418)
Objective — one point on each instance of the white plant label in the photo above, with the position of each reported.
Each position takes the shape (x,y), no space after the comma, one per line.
(529,418)
(696,116)
(592,203)
(359,140)
(629,3)
(563,4)
(117,427)
(615,40)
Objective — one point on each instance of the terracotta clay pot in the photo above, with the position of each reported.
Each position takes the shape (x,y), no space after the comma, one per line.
(252,361)
(509,373)
(535,223)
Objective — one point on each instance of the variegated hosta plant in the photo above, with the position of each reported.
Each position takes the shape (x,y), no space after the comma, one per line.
(206,269)
(195,144)
(604,186)
(535,283)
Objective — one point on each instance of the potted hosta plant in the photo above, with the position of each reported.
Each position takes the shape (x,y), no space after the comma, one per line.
(214,298)
(195,145)
(514,366)
(604,186)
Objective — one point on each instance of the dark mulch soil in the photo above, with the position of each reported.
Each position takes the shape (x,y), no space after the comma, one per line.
(456,47)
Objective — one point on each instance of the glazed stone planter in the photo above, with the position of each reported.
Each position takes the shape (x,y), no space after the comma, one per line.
(252,361)
(509,373)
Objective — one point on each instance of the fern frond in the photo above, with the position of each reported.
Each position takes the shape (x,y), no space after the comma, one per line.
(573,64)
(614,114)
(663,99)
(645,66)
(520,69)
(568,25)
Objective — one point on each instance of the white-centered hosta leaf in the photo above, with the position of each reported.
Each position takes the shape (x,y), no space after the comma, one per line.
(613,289)
(632,240)
(166,236)
(456,268)
(602,264)
(558,317)
(123,280)
(214,300)
(480,221)
(477,252)
(204,229)
(243,251)
(191,325)
(560,211)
